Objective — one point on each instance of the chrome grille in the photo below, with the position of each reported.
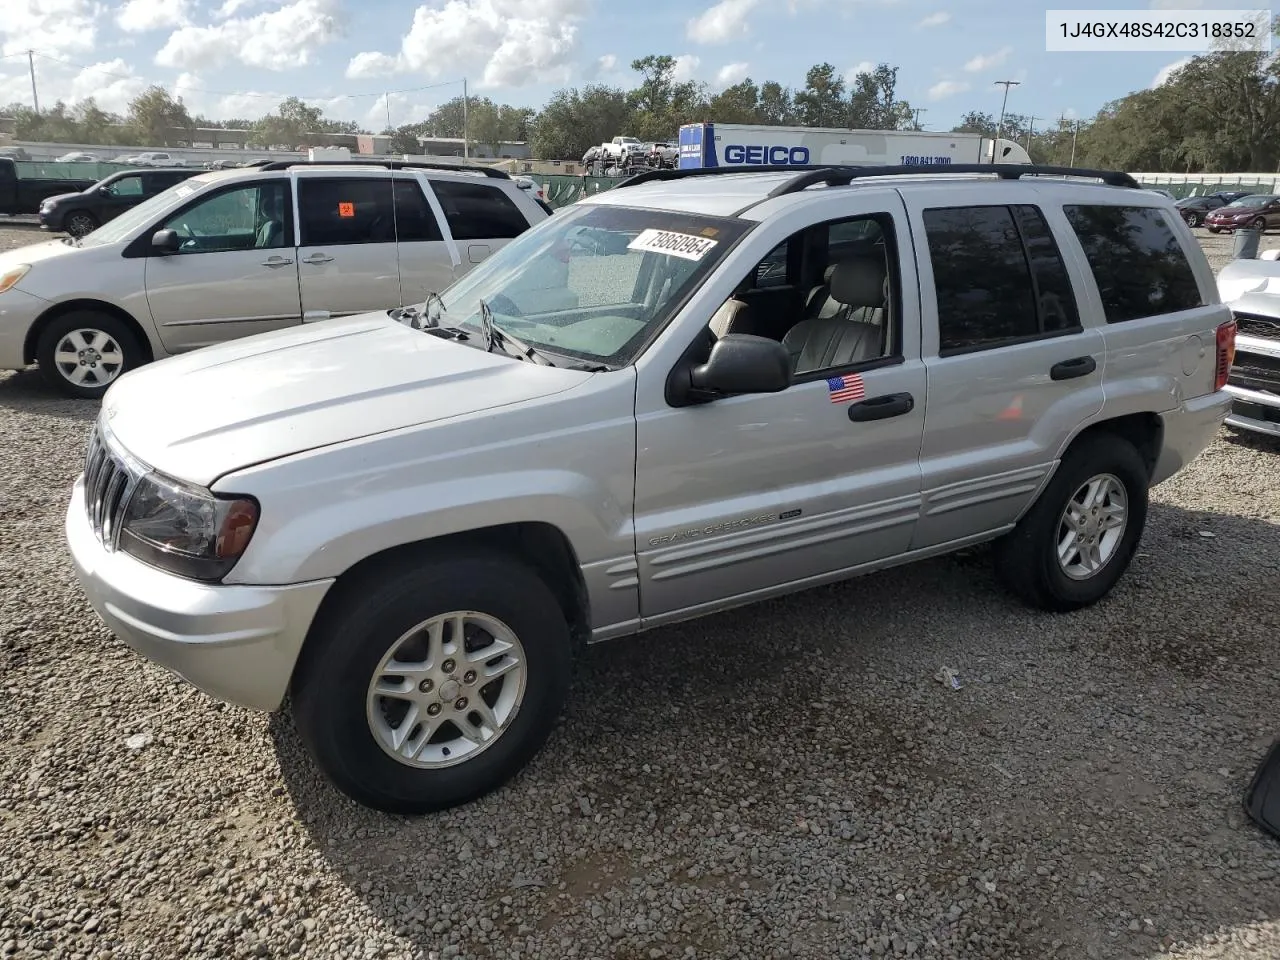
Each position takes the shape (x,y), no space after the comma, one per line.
(108,484)
(1267,328)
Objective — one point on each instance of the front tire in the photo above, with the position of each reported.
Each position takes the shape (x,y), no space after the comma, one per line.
(1079,537)
(80,223)
(1259,224)
(83,352)
(1192,219)
(391,696)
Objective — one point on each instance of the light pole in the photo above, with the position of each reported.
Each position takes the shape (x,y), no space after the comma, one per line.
(1003,103)
(919,110)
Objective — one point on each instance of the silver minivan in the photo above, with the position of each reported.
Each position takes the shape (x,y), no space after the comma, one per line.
(226,254)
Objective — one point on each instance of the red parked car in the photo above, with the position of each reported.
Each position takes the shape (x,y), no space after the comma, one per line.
(1261,211)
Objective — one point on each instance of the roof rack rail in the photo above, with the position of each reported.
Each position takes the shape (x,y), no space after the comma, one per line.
(669,173)
(491,172)
(840,174)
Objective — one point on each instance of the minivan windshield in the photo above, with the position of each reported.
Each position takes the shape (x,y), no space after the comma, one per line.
(123,226)
(592,283)
(1253,200)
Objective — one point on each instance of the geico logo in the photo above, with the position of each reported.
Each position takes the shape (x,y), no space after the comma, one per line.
(763,154)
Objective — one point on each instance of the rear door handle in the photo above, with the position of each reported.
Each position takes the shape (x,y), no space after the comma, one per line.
(1069,369)
(882,408)
(276,262)
(318,258)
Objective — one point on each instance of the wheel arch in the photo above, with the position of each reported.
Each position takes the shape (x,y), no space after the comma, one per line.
(1145,431)
(32,341)
(543,546)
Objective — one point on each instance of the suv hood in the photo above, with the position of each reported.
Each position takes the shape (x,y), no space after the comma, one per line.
(1255,280)
(58,197)
(221,408)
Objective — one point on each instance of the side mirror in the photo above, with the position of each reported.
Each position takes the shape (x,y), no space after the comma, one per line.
(741,363)
(166,241)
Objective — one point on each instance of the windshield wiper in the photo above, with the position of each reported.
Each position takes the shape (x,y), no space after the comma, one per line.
(417,319)
(496,336)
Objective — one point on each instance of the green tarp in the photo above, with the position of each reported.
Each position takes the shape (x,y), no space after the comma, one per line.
(562,191)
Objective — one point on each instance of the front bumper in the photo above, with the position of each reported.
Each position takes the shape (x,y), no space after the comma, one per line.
(1254,382)
(236,643)
(1188,430)
(18,311)
(1254,411)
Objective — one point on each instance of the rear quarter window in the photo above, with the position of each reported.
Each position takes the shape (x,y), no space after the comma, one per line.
(478,211)
(1137,261)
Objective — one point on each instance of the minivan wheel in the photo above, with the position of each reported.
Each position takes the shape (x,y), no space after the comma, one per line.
(1078,538)
(429,687)
(83,352)
(80,223)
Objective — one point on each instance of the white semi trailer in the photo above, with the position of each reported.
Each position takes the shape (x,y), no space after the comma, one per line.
(740,144)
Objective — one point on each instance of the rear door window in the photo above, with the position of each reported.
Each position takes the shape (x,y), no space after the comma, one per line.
(1139,265)
(415,220)
(345,210)
(478,211)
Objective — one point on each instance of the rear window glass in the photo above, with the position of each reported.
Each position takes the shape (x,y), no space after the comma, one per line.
(477,211)
(1139,265)
(345,211)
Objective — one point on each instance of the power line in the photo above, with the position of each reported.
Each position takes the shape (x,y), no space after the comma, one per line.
(235,93)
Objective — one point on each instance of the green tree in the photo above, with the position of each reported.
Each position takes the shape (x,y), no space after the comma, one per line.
(154,113)
(776,104)
(404,139)
(573,121)
(739,103)
(821,102)
(873,104)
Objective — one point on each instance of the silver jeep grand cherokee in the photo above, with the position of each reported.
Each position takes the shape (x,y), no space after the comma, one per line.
(698,390)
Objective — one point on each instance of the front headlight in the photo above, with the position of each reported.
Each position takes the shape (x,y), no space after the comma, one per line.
(187,530)
(13,275)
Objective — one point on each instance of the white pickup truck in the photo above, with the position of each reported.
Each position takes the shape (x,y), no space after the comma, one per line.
(617,149)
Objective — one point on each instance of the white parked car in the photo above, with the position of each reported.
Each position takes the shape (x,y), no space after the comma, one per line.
(230,253)
(77,157)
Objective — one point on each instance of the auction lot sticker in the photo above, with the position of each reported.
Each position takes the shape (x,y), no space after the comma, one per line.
(684,245)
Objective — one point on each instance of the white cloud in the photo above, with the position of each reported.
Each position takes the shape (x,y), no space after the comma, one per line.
(518,44)
(731,73)
(1166,72)
(722,23)
(111,84)
(230,8)
(935,19)
(51,26)
(607,63)
(140,16)
(280,39)
(850,75)
(686,67)
(985,61)
(947,88)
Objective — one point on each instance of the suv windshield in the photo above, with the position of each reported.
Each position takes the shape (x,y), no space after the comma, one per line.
(1254,200)
(153,209)
(593,283)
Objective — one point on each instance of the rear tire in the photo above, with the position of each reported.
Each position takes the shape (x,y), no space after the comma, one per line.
(1028,558)
(352,707)
(1260,224)
(83,352)
(1192,219)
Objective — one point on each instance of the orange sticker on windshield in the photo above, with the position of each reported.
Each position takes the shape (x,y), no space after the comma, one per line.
(346,209)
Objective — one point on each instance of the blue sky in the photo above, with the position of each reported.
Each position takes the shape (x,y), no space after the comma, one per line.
(238,57)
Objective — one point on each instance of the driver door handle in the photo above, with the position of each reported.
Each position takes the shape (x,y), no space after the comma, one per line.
(276,262)
(318,258)
(882,407)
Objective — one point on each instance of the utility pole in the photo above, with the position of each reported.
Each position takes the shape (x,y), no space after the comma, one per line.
(31,62)
(466,140)
(919,110)
(1074,133)
(1031,129)
(1003,103)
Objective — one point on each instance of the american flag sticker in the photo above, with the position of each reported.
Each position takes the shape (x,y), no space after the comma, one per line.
(846,388)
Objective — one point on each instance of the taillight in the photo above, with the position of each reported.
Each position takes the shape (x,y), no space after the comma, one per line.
(1226,353)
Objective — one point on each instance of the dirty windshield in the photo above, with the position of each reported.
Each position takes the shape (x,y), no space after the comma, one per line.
(593,282)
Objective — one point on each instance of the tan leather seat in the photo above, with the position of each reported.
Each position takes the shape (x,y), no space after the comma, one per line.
(833,338)
(734,316)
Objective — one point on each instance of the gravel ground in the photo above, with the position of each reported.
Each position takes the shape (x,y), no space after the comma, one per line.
(784,781)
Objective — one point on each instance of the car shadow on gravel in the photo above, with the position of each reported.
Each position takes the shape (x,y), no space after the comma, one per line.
(26,391)
(793,774)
